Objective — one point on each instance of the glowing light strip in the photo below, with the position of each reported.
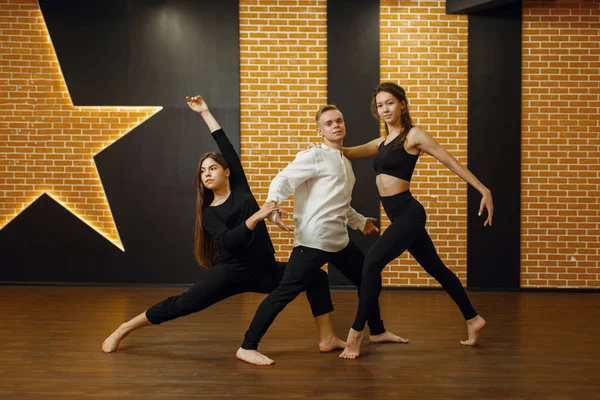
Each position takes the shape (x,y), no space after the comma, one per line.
(155,109)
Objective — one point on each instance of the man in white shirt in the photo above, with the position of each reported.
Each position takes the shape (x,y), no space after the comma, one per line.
(321,180)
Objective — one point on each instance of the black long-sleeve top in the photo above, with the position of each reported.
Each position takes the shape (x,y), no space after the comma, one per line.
(226,223)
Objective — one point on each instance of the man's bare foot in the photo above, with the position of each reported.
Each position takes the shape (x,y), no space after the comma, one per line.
(387,337)
(112,342)
(474,327)
(253,357)
(331,344)
(353,342)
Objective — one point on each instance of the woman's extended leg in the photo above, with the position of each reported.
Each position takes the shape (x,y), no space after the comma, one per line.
(218,284)
(424,252)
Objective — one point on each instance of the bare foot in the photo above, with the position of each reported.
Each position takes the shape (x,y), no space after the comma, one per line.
(353,342)
(253,357)
(387,337)
(112,342)
(331,344)
(474,327)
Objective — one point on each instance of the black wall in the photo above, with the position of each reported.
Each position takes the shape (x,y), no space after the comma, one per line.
(473,6)
(138,53)
(153,53)
(353,73)
(493,254)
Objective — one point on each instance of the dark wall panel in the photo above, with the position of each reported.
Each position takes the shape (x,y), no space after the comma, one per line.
(134,53)
(493,254)
(473,6)
(353,73)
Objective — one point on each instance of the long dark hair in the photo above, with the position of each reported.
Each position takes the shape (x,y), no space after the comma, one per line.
(398,93)
(206,249)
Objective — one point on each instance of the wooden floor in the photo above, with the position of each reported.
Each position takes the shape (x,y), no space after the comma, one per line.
(536,345)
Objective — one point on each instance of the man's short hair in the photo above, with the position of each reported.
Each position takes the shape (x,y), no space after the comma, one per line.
(325,108)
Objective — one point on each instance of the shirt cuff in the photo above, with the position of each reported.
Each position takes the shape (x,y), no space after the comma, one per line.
(273,216)
(363,223)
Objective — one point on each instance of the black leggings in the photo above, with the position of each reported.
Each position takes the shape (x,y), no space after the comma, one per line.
(223,281)
(407,232)
(303,263)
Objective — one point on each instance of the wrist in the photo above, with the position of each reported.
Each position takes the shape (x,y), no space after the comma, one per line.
(251,222)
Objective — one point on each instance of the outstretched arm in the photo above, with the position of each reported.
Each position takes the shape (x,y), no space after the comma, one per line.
(364,150)
(198,104)
(238,237)
(424,142)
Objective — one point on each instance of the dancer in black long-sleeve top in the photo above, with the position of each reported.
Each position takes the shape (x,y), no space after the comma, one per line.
(232,241)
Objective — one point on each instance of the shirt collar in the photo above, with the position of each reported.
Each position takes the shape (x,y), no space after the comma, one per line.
(324,146)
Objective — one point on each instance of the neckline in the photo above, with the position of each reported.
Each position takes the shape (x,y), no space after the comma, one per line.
(324,146)
(224,201)
(391,141)
(403,148)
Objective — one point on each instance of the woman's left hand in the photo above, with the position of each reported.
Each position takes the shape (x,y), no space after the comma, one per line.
(487,203)
(197,104)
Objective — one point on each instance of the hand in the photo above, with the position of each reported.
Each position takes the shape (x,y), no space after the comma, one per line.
(370,226)
(488,203)
(279,221)
(313,146)
(197,104)
(267,209)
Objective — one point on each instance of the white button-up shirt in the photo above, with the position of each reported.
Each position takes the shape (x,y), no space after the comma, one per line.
(322,181)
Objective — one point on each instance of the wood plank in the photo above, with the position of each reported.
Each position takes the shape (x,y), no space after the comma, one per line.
(536,345)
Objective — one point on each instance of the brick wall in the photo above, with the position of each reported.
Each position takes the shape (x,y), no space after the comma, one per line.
(47,144)
(425,51)
(283,58)
(560,144)
(283,81)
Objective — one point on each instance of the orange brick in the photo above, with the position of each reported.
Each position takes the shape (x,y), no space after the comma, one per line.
(563,42)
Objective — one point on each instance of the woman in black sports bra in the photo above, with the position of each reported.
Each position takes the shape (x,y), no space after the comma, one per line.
(396,155)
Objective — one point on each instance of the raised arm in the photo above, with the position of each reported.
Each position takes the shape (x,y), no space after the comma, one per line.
(198,104)
(424,142)
(364,150)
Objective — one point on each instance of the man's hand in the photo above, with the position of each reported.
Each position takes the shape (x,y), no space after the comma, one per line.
(370,226)
(279,221)
(313,146)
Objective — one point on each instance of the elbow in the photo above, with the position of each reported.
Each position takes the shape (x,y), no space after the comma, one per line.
(231,247)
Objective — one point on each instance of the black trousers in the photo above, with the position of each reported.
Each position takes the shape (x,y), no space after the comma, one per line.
(407,232)
(223,281)
(303,264)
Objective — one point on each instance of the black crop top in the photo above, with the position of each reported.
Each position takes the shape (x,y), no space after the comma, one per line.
(395,161)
